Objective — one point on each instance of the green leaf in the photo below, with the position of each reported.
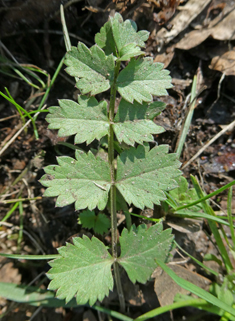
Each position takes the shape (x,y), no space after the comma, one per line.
(132,122)
(143,175)
(104,39)
(100,223)
(32,295)
(37,297)
(182,188)
(226,296)
(87,219)
(125,32)
(85,181)
(129,51)
(154,109)
(141,79)
(183,195)
(83,270)
(140,247)
(87,119)
(121,38)
(92,66)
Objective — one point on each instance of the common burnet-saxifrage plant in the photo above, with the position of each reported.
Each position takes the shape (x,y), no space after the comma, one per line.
(137,174)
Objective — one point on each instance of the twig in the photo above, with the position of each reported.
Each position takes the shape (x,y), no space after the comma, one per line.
(218,92)
(8,52)
(224,130)
(21,200)
(18,133)
(9,117)
(13,131)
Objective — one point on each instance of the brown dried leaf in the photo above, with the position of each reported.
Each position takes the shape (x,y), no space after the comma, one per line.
(193,39)
(225,30)
(132,292)
(168,10)
(165,58)
(224,63)
(220,29)
(8,273)
(89,316)
(184,225)
(166,288)
(182,20)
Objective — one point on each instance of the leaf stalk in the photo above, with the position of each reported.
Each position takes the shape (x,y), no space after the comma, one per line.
(113,188)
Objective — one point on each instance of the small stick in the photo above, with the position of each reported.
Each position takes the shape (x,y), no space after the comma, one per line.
(225,129)
(18,133)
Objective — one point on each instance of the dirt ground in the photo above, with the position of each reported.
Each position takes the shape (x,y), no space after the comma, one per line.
(191,37)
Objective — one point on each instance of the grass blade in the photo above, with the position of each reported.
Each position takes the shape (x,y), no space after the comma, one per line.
(65,30)
(14,207)
(230,217)
(196,290)
(31,257)
(35,296)
(189,118)
(197,303)
(20,110)
(214,218)
(207,208)
(195,260)
(21,219)
(32,295)
(112,313)
(204,198)
(145,217)
(50,85)
(22,76)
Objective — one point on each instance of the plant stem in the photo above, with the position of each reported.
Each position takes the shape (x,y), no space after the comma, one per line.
(113,189)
